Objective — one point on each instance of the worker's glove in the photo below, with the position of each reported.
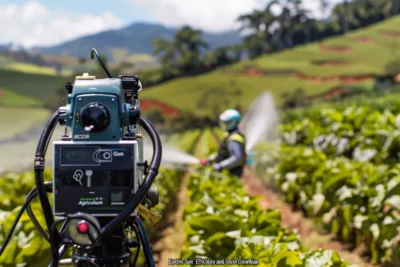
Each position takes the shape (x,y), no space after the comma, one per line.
(217,167)
(204,162)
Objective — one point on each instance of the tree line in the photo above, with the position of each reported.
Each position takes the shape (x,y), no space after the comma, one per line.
(187,53)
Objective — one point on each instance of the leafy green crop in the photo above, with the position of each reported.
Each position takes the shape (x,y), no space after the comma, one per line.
(223,222)
(360,133)
(27,246)
(207,144)
(340,163)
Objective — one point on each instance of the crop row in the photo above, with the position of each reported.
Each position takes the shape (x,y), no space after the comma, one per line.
(382,101)
(340,165)
(223,222)
(27,245)
(359,133)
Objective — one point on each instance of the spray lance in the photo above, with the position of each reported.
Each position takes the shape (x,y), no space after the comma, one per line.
(257,125)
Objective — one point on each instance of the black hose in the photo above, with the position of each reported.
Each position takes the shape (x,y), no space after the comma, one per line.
(39,165)
(28,200)
(138,247)
(144,188)
(33,218)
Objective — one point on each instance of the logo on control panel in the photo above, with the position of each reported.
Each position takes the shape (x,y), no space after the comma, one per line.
(78,174)
(102,155)
(95,201)
(106,155)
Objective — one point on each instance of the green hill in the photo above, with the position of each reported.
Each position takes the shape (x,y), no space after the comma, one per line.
(135,38)
(351,59)
(355,59)
(37,86)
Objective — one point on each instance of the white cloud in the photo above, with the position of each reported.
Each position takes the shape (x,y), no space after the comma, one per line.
(211,15)
(34,24)
(315,8)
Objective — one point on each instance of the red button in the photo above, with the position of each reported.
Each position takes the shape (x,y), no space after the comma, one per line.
(83,227)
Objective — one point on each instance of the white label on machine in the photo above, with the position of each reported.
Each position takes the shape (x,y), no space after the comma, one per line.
(81,136)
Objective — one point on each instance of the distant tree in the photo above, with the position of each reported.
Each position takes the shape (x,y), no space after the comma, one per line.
(389,7)
(183,52)
(188,44)
(258,24)
(252,21)
(221,56)
(255,45)
(165,51)
(209,60)
(395,7)
(235,52)
(345,15)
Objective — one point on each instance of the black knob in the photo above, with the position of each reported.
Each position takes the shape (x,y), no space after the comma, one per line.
(69,87)
(95,117)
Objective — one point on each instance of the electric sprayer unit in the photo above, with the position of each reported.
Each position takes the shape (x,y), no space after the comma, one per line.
(99,176)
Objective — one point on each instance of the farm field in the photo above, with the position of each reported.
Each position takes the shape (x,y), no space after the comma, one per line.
(37,86)
(316,68)
(17,153)
(324,191)
(16,120)
(355,225)
(30,68)
(338,163)
(220,222)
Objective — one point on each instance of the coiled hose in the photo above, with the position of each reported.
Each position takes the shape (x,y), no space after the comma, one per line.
(39,165)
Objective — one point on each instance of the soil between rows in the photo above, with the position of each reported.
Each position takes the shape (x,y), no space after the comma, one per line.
(310,237)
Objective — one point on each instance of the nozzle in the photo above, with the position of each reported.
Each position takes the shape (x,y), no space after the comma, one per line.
(250,158)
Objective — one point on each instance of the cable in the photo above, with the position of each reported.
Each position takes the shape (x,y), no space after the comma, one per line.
(36,224)
(33,218)
(31,195)
(138,248)
(144,188)
(28,199)
(39,165)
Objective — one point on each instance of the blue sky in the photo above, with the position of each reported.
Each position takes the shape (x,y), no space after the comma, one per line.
(127,11)
(49,22)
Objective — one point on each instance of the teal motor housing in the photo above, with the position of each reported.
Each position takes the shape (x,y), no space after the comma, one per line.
(101,109)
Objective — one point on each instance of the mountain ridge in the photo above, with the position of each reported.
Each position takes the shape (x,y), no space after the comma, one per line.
(134,38)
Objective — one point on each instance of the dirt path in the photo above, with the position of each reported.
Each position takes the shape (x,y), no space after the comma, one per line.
(294,220)
(170,245)
(173,237)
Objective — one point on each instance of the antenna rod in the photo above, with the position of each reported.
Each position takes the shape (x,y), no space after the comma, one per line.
(101,61)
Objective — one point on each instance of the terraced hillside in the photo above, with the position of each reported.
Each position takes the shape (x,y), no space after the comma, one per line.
(327,67)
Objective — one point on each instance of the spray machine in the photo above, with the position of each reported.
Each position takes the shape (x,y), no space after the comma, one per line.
(102,188)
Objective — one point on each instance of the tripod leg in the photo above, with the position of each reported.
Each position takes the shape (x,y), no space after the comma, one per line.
(148,254)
